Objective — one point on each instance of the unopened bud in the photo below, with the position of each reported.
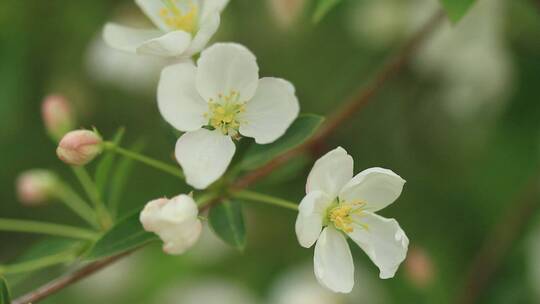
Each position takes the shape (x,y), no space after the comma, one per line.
(419,267)
(79,147)
(57,116)
(286,12)
(35,187)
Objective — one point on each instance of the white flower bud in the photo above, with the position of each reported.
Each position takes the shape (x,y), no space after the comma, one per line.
(57,116)
(79,147)
(175,221)
(35,187)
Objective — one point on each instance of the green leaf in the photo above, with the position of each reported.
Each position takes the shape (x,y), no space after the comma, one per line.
(120,177)
(105,165)
(44,254)
(456,9)
(300,131)
(227,221)
(5,297)
(126,235)
(323,7)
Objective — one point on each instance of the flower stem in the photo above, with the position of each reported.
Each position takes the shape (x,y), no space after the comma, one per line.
(74,202)
(93,193)
(267,199)
(46,228)
(144,159)
(38,263)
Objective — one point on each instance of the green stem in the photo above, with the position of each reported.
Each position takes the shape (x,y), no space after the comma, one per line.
(267,199)
(93,193)
(37,263)
(173,170)
(74,202)
(46,228)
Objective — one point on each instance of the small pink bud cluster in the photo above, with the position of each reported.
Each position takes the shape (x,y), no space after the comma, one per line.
(35,187)
(57,116)
(79,147)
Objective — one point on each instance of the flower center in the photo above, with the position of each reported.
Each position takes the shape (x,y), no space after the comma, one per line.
(340,215)
(180,15)
(223,114)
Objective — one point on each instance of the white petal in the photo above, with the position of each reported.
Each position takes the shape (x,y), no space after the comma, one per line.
(333,261)
(226,67)
(204,155)
(170,44)
(151,9)
(311,212)
(178,100)
(212,6)
(383,241)
(207,28)
(377,187)
(126,38)
(331,172)
(175,221)
(271,111)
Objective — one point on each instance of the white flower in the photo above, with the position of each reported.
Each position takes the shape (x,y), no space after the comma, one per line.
(175,221)
(184,28)
(216,102)
(339,204)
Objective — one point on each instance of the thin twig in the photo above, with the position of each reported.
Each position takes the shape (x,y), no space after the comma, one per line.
(497,245)
(389,70)
(66,280)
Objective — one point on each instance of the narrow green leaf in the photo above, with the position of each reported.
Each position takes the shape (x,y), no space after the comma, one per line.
(300,131)
(323,7)
(127,234)
(104,167)
(227,221)
(120,177)
(44,254)
(5,297)
(456,9)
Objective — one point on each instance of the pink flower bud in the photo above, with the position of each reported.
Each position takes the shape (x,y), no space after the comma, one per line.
(79,147)
(36,186)
(57,116)
(419,267)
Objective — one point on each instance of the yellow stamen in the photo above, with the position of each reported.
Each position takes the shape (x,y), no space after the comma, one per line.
(223,115)
(180,18)
(341,215)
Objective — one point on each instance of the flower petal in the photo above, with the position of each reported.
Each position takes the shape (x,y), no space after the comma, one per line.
(204,155)
(151,9)
(170,44)
(311,212)
(178,100)
(126,38)
(377,187)
(383,240)
(212,6)
(333,261)
(207,28)
(226,67)
(271,111)
(331,172)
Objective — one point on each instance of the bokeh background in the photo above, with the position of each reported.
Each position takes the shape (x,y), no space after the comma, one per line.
(461,124)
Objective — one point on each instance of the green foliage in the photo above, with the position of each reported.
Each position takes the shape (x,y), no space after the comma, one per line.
(323,7)
(227,221)
(5,297)
(300,131)
(44,254)
(456,9)
(104,167)
(127,234)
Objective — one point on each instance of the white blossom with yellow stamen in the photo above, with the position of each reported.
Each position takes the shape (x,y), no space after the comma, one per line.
(338,205)
(217,101)
(184,28)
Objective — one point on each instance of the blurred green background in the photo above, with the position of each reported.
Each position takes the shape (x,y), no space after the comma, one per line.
(461,124)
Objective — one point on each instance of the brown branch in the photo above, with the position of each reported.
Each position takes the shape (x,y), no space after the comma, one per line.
(68,279)
(357,103)
(500,240)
